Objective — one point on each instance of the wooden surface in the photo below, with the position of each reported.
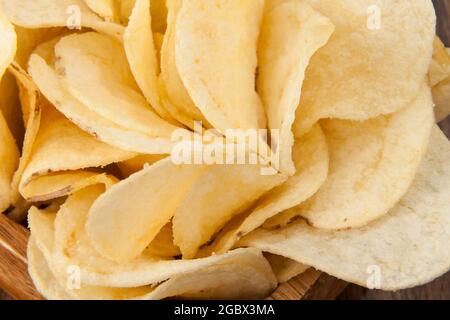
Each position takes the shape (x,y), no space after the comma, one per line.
(14,277)
(312,284)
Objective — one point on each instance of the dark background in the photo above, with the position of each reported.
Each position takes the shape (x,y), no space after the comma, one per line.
(440,288)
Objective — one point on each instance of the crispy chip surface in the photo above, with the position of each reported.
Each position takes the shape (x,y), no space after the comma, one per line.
(210,34)
(407,246)
(373,64)
(291,33)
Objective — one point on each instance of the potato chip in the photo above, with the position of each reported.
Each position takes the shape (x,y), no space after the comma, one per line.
(128,167)
(291,33)
(9,154)
(42,277)
(284,268)
(28,40)
(248,277)
(95,70)
(440,64)
(29,96)
(372,165)
(141,54)
(311,158)
(124,220)
(8,45)
(61,146)
(159,13)
(56,289)
(439,76)
(72,14)
(10,106)
(104,8)
(175,96)
(107,131)
(53,186)
(44,225)
(202,213)
(9,158)
(407,247)
(215,50)
(64,243)
(162,245)
(441,97)
(374,63)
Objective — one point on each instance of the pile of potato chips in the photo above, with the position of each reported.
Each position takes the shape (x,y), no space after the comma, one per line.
(92,91)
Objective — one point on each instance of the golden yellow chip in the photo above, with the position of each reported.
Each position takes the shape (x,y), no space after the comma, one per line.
(202,213)
(216,57)
(104,8)
(73,14)
(124,220)
(174,94)
(141,54)
(105,130)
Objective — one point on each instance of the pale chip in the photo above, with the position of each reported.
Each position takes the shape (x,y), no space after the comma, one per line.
(215,198)
(373,64)
(72,14)
(311,159)
(210,35)
(372,165)
(124,220)
(291,33)
(406,248)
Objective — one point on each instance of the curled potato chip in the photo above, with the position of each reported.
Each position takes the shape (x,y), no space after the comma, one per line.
(29,97)
(128,167)
(72,14)
(64,243)
(408,247)
(61,146)
(162,245)
(440,64)
(311,159)
(372,165)
(9,158)
(9,154)
(202,213)
(215,50)
(107,131)
(10,105)
(124,220)
(159,13)
(8,44)
(141,54)
(53,186)
(439,76)
(95,70)
(374,63)
(246,277)
(291,33)
(175,97)
(29,40)
(441,97)
(284,268)
(41,275)
(104,8)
